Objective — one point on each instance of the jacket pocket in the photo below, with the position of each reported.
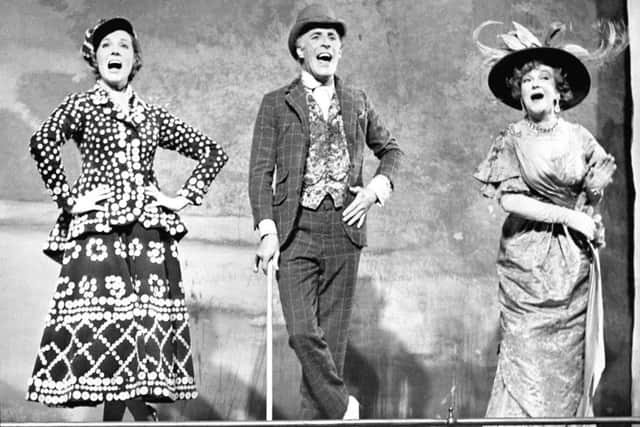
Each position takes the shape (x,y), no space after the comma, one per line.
(280,193)
(362,120)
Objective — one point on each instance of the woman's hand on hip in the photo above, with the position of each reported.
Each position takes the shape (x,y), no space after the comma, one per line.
(91,200)
(160,199)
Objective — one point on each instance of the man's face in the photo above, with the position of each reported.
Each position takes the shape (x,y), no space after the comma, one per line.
(320,50)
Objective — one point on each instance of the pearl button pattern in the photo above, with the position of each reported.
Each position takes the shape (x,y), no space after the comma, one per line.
(117,149)
(117,327)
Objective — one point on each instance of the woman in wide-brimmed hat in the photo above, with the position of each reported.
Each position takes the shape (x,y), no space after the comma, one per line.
(117,329)
(549,175)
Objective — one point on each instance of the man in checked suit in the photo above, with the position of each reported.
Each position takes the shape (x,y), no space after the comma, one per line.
(308,143)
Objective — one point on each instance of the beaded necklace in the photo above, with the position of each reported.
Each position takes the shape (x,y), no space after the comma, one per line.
(541,129)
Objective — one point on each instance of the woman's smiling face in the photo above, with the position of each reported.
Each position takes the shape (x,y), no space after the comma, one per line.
(115,56)
(538,91)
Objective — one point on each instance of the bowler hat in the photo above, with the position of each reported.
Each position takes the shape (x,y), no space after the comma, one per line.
(315,15)
(575,72)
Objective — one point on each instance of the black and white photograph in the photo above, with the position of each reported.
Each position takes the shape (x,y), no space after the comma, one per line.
(319,212)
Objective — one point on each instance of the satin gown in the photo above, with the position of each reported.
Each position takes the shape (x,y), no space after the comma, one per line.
(545,272)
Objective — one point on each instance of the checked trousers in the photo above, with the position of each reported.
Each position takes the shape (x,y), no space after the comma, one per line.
(317,278)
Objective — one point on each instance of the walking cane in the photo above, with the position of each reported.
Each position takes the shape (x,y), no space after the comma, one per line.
(269,326)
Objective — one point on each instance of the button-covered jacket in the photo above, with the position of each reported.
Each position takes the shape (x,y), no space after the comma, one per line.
(117,150)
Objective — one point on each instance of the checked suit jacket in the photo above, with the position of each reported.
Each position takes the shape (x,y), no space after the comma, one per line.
(279,151)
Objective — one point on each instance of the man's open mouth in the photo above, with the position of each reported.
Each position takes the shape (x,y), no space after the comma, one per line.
(324,57)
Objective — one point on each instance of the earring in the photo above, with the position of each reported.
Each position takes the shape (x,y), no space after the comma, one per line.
(556,105)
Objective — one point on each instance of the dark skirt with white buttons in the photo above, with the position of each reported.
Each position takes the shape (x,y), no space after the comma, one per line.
(117,327)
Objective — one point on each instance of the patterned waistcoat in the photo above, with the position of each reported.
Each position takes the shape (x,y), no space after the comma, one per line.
(327,165)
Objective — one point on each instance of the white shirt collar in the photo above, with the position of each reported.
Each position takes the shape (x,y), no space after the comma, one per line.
(310,82)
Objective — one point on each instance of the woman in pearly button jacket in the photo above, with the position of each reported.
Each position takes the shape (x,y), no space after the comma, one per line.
(117,329)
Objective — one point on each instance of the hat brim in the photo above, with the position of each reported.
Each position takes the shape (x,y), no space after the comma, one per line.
(109,26)
(300,28)
(576,73)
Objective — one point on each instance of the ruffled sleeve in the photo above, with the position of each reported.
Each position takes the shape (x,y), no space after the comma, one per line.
(594,156)
(499,172)
(594,153)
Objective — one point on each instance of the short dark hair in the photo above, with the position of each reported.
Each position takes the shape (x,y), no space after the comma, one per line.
(559,76)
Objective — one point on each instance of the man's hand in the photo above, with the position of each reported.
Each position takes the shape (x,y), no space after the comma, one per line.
(160,199)
(268,250)
(90,201)
(357,210)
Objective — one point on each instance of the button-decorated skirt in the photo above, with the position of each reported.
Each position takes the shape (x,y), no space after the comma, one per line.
(117,326)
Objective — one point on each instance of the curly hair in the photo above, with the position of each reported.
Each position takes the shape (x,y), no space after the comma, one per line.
(559,76)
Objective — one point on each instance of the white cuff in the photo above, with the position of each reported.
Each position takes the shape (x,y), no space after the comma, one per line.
(267,226)
(380,185)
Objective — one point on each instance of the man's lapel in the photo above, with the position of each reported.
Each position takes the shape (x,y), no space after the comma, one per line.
(296,97)
(349,116)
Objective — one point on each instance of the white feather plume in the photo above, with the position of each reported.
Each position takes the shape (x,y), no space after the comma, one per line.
(613,40)
(491,54)
(525,36)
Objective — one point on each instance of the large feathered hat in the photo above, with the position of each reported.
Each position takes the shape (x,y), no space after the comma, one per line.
(521,46)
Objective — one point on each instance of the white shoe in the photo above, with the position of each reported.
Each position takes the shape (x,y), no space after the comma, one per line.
(353,409)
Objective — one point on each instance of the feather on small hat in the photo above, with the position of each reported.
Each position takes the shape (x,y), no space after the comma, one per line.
(521,46)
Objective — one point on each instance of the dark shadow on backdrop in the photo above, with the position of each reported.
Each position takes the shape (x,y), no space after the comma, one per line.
(613,131)
(390,381)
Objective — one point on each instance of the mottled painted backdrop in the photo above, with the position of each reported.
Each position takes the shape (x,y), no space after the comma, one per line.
(424,329)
